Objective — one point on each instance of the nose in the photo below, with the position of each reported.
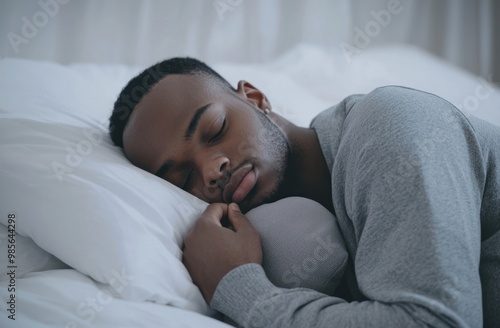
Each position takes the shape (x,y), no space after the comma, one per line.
(214,171)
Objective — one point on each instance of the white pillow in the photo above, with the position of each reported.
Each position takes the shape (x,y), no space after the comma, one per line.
(28,256)
(79,198)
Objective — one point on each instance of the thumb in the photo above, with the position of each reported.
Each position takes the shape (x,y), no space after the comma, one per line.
(236,218)
(214,212)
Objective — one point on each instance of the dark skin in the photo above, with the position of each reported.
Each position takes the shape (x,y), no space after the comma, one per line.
(235,153)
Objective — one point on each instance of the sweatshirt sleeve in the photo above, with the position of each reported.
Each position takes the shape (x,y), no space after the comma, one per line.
(251,300)
(407,191)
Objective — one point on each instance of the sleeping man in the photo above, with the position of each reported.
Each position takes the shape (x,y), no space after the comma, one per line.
(413,184)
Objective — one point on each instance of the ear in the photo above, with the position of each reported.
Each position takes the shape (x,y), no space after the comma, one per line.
(253,95)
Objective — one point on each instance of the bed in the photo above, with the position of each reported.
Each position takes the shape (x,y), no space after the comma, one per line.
(96,241)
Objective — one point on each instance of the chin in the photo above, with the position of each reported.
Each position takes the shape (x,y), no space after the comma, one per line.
(249,203)
(259,197)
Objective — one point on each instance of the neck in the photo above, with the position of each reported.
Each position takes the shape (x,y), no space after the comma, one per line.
(309,172)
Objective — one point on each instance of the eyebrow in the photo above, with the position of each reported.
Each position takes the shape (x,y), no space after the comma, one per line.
(191,129)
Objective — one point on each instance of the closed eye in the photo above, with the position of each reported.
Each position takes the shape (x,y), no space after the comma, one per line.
(219,133)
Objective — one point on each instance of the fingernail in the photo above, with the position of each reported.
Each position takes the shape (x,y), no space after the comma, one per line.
(234,207)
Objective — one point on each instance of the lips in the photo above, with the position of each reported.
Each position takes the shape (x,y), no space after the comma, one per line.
(241,183)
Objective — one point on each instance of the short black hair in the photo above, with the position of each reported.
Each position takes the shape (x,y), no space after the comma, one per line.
(141,84)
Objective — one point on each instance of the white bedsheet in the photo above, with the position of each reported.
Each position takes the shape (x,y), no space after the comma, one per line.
(67,298)
(299,85)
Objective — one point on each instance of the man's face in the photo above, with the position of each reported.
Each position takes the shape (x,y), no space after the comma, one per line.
(216,144)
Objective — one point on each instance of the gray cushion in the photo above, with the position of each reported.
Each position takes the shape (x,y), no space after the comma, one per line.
(302,244)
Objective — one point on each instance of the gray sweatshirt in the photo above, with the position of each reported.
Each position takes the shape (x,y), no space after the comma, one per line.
(416,191)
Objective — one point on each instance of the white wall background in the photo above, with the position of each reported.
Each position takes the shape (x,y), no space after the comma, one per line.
(140,32)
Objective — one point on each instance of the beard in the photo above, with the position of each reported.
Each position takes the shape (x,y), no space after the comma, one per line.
(279,151)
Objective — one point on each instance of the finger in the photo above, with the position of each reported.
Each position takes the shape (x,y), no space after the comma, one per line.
(215,212)
(236,218)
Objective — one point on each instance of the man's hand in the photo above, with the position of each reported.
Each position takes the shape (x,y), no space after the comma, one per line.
(211,251)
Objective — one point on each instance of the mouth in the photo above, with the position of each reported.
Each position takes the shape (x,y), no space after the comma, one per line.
(241,183)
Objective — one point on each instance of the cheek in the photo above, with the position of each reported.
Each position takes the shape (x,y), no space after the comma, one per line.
(244,149)
(250,143)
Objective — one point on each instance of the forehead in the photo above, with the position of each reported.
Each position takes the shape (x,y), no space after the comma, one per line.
(177,91)
(162,112)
